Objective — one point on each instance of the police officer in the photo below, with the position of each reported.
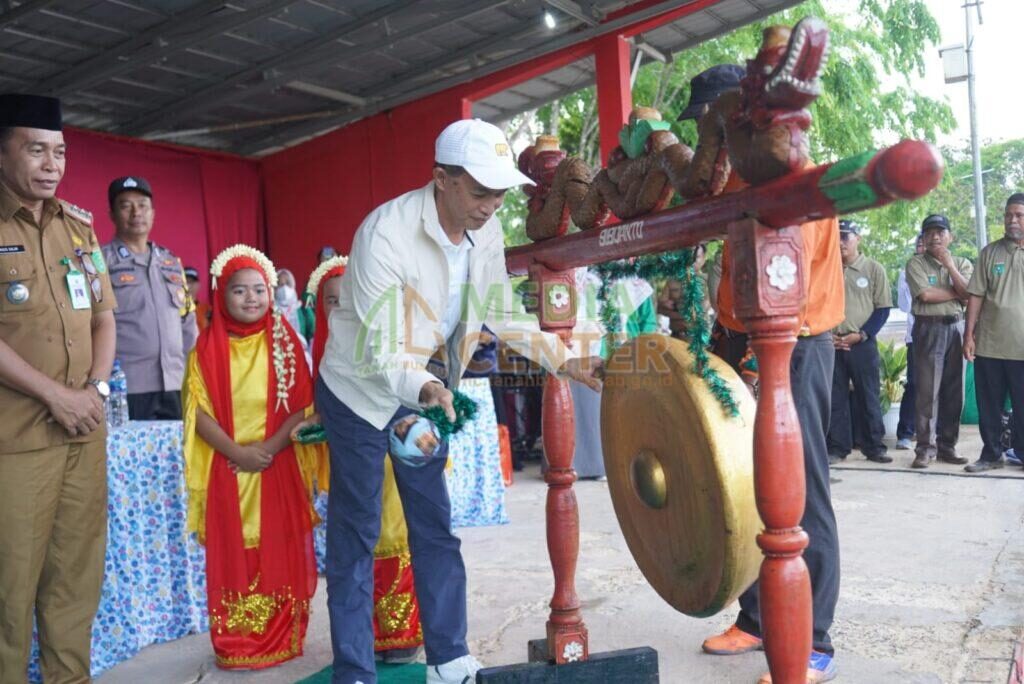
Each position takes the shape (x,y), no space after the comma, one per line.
(156,322)
(994,338)
(56,350)
(938,284)
(868,301)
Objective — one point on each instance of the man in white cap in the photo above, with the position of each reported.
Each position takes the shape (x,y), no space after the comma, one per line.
(426,270)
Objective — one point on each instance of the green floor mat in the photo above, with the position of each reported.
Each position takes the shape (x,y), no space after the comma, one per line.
(413,673)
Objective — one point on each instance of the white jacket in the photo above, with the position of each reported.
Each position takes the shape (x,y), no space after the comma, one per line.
(393,297)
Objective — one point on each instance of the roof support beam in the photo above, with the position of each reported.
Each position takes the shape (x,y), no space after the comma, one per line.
(306,54)
(651,16)
(12,15)
(178,32)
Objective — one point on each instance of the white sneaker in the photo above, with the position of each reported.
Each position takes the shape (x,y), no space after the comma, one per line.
(459,671)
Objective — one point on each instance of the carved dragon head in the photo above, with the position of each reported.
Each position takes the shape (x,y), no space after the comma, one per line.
(784,74)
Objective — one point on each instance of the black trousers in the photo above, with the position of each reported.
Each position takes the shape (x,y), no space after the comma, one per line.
(154,406)
(993,379)
(905,429)
(861,366)
(811,380)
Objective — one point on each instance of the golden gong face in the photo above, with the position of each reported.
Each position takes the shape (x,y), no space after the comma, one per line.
(680,472)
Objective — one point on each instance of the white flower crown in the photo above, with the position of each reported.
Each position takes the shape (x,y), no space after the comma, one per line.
(217,267)
(320,271)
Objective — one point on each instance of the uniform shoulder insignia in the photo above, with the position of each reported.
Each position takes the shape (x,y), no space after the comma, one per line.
(83,215)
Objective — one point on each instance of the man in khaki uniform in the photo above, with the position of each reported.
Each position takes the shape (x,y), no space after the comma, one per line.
(156,320)
(938,284)
(994,338)
(56,349)
(868,300)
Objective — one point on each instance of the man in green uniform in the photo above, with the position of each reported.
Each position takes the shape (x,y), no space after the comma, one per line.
(938,284)
(56,349)
(868,300)
(994,338)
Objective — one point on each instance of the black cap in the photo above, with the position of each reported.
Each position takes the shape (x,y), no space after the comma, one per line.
(133,183)
(934,221)
(29,111)
(191,272)
(706,86)
(847,226)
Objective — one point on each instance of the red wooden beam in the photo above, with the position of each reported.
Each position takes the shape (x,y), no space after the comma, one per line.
(614,94)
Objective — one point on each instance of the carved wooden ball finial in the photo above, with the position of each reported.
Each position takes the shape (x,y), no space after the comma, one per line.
(546,143)
(641,112)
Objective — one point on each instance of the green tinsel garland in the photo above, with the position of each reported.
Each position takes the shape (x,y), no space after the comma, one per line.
(465,411)
(679,266)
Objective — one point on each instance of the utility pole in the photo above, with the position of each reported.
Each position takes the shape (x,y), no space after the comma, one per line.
(979,189)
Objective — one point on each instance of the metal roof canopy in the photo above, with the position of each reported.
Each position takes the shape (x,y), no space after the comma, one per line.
(255,76)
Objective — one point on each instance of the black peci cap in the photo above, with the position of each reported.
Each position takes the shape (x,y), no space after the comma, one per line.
(29,111)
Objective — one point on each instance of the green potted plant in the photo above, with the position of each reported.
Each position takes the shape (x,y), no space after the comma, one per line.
(893,369)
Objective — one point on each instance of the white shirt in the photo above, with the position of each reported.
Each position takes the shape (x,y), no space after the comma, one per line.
(394,303)
(905,302)
(458,274)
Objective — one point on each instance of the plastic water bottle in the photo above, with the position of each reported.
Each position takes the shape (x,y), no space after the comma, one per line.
(117,403)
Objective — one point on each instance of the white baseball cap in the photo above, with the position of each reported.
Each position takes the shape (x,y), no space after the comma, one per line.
(481,149)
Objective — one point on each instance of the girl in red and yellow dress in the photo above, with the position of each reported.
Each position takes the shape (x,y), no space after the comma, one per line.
(247,385)
(397,633)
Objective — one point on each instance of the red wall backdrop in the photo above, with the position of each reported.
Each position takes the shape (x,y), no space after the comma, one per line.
(204,201)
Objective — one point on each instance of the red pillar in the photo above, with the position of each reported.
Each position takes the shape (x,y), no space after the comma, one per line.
(614,95)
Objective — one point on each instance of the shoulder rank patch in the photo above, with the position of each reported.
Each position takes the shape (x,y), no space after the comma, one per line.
(123,252)
(77,212)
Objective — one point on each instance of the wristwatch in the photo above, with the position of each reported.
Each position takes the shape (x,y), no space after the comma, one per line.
(102,387)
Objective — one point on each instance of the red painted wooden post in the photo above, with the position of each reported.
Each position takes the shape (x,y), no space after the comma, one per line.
(769,285)
(614,95)
(566,633)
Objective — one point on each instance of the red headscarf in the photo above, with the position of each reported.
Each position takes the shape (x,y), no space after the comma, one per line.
(320,329)
(283,562)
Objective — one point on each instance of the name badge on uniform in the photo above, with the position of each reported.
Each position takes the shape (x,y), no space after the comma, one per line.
(933,280)
(999,269)
(79,289)
(12,249)
(862,282)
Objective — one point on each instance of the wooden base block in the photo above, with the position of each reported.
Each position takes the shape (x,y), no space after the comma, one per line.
(628,666)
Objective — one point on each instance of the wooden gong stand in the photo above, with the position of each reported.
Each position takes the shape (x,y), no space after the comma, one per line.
(761,224)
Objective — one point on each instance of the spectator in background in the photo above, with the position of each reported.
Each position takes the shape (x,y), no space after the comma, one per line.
(156,320)
(938,284)
(672,292)
(868,300)
(286,300)
(905,429)
(994,338)
(202,308)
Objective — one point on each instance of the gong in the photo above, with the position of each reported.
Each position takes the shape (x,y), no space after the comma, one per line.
(681,474)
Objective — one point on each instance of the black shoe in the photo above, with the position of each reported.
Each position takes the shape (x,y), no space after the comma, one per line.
(952,458)
(835,458)
(980,466)
(920,461)
(879,458)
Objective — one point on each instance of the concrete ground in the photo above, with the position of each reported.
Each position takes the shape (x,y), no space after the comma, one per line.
(932,586)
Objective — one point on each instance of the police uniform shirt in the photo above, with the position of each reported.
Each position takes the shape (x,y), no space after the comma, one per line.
(924,271)
(38,317)
(156,326)
(999,280)
(867,288)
